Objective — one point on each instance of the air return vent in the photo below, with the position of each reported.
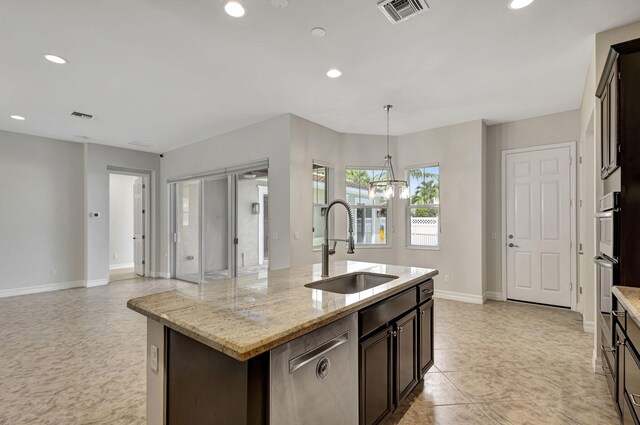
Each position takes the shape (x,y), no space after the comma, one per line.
(141,144)
(401,10)
(81,115)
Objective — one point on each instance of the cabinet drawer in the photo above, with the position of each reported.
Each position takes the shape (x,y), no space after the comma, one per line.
(633,333)
(608,374)
(607,354)
(619,315)
(632,377)
(628,417)
(384,312)
(425,291)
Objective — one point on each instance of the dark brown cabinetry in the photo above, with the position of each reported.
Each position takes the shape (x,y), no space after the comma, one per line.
(618,264)
(376,377)
(625,369)
(619,95)
(407,355)
(620,339)
(396,350)
(608,94)
(425,354)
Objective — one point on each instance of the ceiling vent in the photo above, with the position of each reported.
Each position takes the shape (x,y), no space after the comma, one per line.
(81,115)
(401,10)
(141,144)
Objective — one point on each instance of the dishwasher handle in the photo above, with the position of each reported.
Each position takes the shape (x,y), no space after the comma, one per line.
(306,358)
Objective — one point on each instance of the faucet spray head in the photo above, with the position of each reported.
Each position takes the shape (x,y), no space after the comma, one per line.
(351,245)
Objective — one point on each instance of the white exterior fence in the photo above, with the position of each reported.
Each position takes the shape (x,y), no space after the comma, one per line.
(424,231)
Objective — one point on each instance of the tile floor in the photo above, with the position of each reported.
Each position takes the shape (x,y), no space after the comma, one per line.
(509,364)
(78,357)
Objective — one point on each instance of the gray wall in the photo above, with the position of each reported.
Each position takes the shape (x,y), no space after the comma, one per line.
(459,151)
(41,211)
(97,160)
(549,129)
(266,140)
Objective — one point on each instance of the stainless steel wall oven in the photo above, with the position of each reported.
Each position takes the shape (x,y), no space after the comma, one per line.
(607,260)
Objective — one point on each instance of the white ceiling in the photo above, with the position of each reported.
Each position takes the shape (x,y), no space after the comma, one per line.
(173,72)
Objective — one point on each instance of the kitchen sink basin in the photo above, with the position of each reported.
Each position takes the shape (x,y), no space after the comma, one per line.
(351,283)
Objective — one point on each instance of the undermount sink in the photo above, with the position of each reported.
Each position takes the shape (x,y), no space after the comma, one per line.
(352,282)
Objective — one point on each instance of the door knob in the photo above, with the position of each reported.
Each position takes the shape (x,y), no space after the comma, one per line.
(510,236)
(511,245)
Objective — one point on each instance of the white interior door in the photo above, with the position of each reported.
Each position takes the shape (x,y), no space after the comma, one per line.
(538,219)
(138,226)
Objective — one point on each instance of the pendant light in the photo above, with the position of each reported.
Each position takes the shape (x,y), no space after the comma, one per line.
(390,186)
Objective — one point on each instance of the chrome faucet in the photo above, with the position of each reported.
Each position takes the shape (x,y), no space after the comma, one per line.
(326,252)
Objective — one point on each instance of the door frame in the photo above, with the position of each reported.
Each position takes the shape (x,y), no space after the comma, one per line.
(262,191)
(147,181)
(573,215)
(232,174)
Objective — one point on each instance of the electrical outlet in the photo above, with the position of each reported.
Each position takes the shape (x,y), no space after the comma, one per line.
(153,358)
(296,236)
(494,236)
(54,272)
(446,278)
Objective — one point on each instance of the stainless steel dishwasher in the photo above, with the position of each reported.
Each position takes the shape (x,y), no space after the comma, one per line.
(314,378)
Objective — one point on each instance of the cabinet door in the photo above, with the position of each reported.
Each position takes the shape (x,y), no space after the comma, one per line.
(376,383)
(425,341)
(613,119)
(605,133)
(619,367)
(406,355)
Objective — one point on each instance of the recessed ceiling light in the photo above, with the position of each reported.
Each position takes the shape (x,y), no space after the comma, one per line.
(55,59)
(334,73)
(235,9)
(519,4)
(318,32)
(18,117)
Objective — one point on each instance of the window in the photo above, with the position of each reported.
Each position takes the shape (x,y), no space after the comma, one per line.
(423,222)
(320,180)
(371,215)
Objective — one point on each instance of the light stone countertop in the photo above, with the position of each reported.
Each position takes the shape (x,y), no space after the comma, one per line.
(249,315)
(629,298)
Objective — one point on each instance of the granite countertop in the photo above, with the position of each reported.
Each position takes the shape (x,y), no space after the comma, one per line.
(249,315)
(629,298)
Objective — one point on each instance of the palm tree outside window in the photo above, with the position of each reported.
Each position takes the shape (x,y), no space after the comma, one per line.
(423,221)
(371,216)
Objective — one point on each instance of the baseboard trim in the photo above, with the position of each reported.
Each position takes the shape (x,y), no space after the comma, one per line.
(14,292)
(161,275)
(589,327)
(458,296)
(492,295)
(96,282)
(597,363)
(122,266)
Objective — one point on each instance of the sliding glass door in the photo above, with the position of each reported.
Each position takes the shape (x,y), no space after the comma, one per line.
(221,226)
(217,229)
(187,230)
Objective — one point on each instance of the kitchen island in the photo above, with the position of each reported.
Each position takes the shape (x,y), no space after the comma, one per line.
(217,352)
